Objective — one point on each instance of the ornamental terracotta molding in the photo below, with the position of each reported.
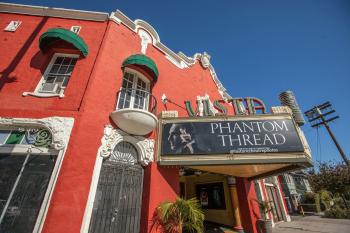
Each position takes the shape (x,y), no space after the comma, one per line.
(112,136)
(145,40)
(59,127)
(205,60)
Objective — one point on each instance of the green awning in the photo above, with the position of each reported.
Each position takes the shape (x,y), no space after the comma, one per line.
(144,62)
(54,34)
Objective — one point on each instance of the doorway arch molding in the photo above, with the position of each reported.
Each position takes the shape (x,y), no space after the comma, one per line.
(113,136)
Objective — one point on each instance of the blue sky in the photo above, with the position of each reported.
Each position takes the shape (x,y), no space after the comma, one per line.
(259,48)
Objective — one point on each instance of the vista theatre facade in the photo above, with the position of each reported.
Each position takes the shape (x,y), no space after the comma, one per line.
(100,122)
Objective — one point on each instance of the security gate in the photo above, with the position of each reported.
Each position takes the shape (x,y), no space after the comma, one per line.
(117,204)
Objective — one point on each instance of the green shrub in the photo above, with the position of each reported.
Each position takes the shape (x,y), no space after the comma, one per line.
(337,212)
(325,198)
(338,209)
(318,203)
(309,198)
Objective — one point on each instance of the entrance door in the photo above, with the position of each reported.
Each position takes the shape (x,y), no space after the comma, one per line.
(277,209)
(117,204)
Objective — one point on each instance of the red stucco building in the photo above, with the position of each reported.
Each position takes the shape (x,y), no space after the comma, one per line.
(85,97)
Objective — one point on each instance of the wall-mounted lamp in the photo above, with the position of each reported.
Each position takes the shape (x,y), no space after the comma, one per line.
(164,99)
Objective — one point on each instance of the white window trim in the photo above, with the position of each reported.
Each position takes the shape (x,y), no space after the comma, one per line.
(11,29)
(37,92)
(60,128)
(141,76)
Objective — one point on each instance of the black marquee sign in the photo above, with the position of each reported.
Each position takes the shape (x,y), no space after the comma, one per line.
(241,135)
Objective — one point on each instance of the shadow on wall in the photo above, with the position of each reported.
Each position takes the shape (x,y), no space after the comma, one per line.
(8,75)
(36,62)
(168,174)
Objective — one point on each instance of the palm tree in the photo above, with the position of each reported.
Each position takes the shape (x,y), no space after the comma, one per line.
(181,215)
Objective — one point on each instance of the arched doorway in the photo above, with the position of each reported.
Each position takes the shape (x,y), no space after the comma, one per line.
(117,203)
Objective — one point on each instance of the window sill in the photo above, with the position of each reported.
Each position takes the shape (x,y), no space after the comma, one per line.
(43,95)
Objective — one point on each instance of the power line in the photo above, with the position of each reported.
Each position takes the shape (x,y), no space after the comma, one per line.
(318,145)
(318,115)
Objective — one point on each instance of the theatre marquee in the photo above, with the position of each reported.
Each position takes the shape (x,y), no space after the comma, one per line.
(267,143)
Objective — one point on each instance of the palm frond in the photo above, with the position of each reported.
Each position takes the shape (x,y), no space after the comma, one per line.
(172,217)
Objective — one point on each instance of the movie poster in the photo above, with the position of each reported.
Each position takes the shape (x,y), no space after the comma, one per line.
(203,197)
(230,137)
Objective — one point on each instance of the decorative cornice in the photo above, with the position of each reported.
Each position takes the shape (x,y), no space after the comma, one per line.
(178,59)
(53,12)
(112,136)
(59,127)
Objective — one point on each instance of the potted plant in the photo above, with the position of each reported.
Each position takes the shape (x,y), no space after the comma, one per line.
(179,216)
(266,224)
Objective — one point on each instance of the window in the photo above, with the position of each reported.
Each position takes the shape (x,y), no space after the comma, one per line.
(56,76)
(134,92)
(12,26)
(29,164)
(25,137)
(24,180)
(269,180)
(26,166)
(75,29)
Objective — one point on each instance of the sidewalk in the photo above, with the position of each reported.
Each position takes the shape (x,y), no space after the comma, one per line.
(314,224)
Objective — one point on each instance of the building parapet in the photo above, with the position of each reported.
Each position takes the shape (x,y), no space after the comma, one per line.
(53,12)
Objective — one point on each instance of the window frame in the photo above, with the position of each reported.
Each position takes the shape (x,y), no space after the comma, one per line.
(138,76)
(28,151)
(60,129)
(37,91)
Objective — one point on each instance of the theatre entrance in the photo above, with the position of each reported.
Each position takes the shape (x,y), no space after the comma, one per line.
(117,204)
(213,193)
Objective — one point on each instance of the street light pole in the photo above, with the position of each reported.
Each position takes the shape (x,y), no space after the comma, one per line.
(319,113)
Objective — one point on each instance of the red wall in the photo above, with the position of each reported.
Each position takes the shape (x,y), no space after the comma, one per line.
(22,63)
(160,183)
(248,204)
(90,98)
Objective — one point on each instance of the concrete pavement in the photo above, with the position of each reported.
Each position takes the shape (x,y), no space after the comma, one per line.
(313,224)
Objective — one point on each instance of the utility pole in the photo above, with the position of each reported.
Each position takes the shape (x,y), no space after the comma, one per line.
(317,116)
